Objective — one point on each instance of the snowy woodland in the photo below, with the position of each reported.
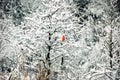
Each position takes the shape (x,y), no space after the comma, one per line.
(59,39)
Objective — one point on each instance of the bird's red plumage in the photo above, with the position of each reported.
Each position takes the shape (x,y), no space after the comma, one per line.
(63,38)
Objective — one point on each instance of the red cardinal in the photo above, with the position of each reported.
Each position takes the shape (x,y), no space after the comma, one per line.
(63,38)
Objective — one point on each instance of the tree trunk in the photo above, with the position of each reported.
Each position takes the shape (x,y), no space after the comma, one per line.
(110,50)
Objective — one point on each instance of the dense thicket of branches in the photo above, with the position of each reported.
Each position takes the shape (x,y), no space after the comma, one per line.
(31,45)
(12,8)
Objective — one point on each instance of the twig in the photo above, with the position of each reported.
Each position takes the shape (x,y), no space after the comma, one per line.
(108,76)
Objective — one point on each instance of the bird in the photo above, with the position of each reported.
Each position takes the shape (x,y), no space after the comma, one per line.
(63,38)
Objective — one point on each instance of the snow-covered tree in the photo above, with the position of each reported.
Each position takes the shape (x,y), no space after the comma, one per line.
(60,39)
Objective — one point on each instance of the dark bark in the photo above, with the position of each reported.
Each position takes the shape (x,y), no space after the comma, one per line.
(62,61)
(110,50)
(48,54)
